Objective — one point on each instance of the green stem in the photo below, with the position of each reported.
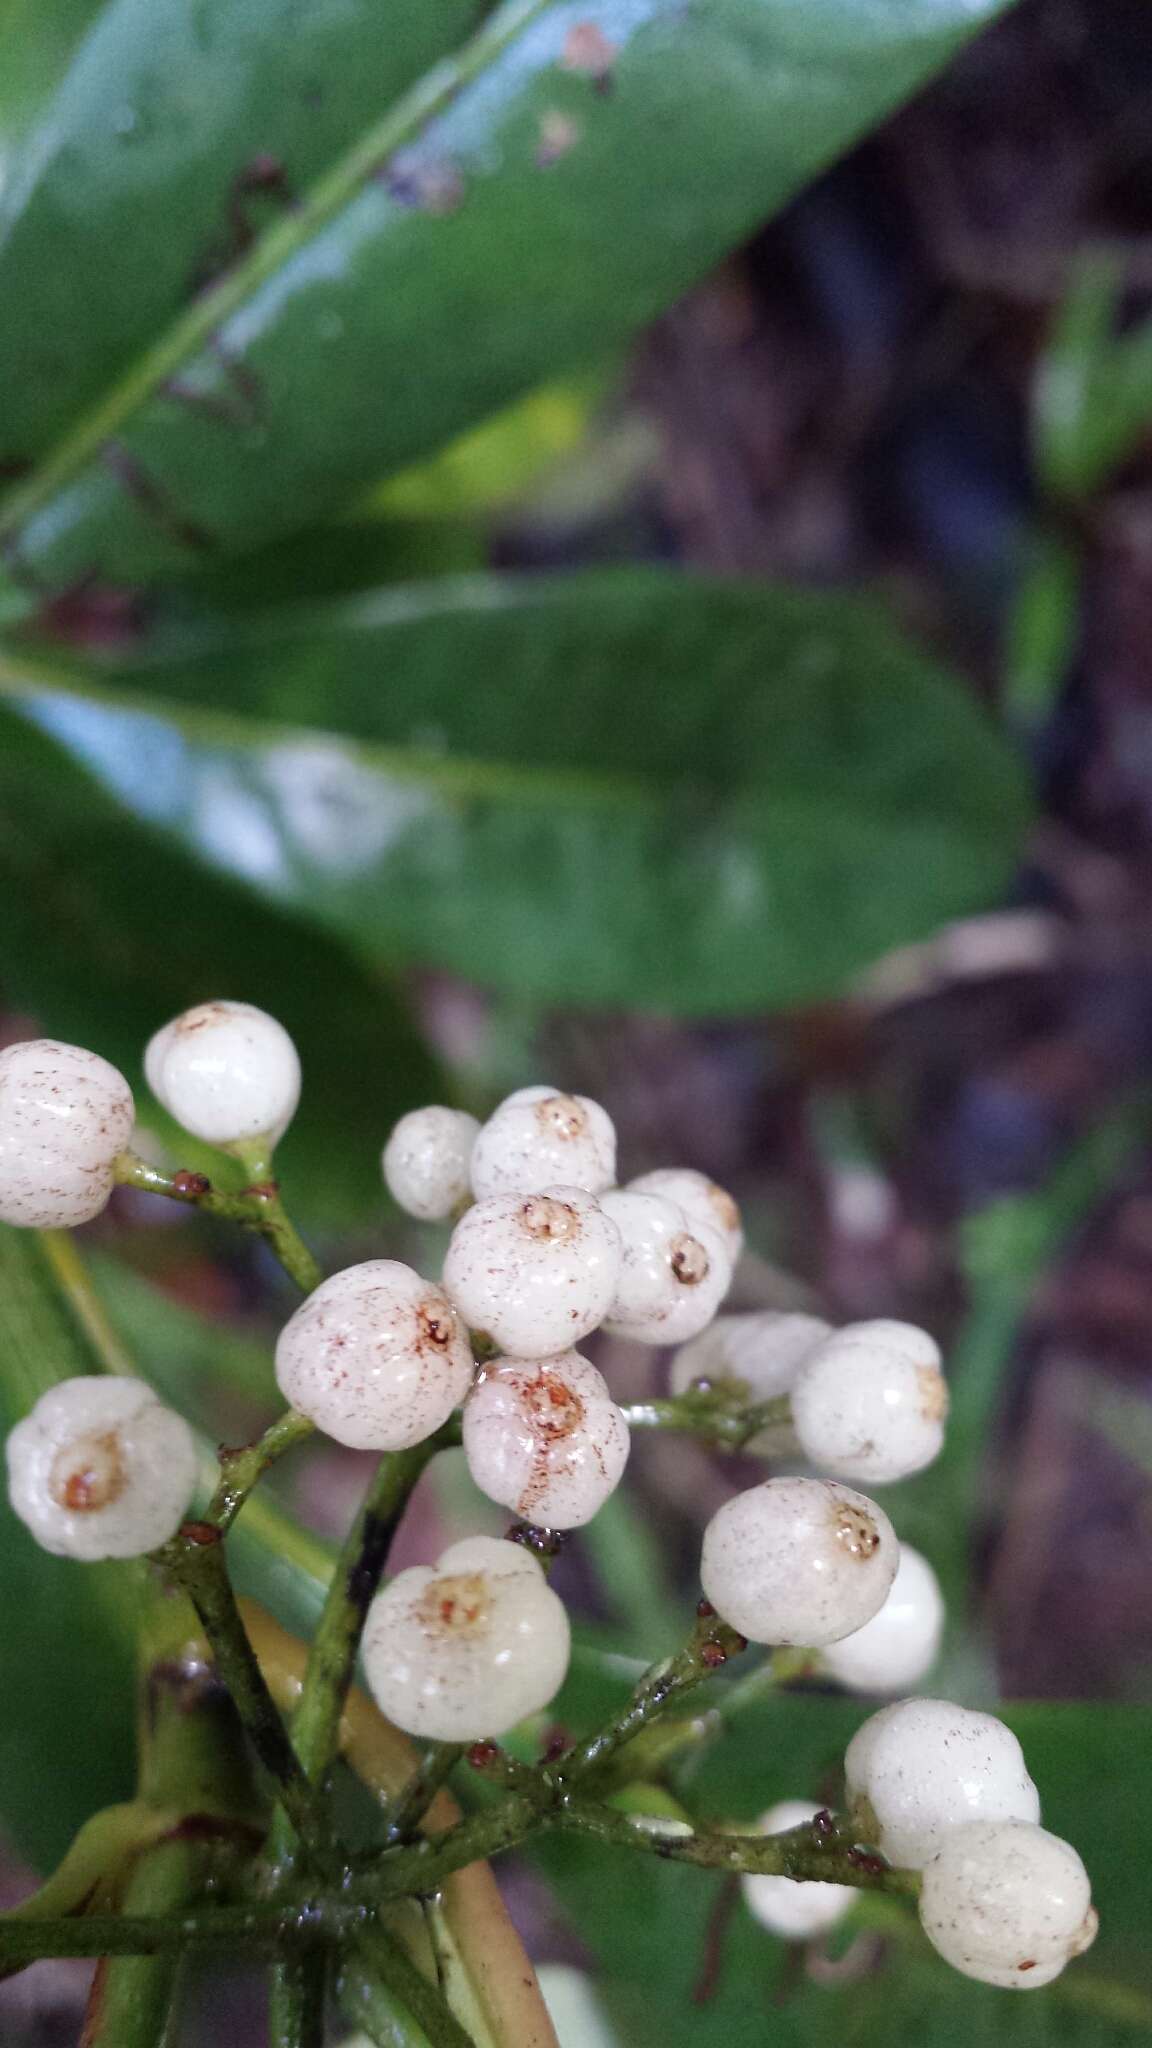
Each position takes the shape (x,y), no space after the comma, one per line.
(296,2001)
(435,1767)
(378,1956)
(74,1282)
(297,1996)
(257,1207)
(712,1644)
(132,1999)
(713,1417)
(199,1568)
(250,1929)
(803,1853)
(363,1556)
(241,1469)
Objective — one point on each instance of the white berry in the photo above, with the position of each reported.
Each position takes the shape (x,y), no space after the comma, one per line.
(902,1640)
(870,1402)
(545,1438)
(377,1357)
(536,1272)
(764,1350)
(542,1138)
(919,1768)
(470,1648)
(798,1561)
(787,1906)
(226,1072)
(1008,1903)
(65,1114)
(100,1468)
(673,1276)
(427,1160)
(702,1200)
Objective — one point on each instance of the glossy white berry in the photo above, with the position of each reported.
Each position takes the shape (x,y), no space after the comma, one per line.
(702,1200)
(545,1438)
(673,1275)
(536,1272)
(919,1768)
(764,1351)
(796,1910)
(1008,1903)
(902,1640)
(798,1561)
(427,1161)
(377,1357)
(470,1648)
(100,1468)
(870,1402)
(227,1072)
(542,1138)
(65,1114)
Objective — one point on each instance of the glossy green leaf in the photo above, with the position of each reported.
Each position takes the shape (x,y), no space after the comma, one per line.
(634,788)
(67,1640)
(110,927)
(646,1924)
(525,205)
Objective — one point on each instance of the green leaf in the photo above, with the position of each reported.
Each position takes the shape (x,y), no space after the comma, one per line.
(110,927)
(526,204)
(646,1923)
(67,1643)
(683,794)
(198,1364)
(1093,403)
(37,39)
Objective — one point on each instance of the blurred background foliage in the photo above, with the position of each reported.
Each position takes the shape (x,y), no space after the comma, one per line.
(612,541)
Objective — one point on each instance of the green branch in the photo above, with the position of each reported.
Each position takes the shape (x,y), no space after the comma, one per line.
(257,1207)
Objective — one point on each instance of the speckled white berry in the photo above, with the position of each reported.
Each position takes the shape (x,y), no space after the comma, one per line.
(470,1648)
(227,1072)
(919,1768)
(545,1438)
(702,1200)
(900,1644)
(65,1115)
(426,1162)
(100,1468)
(1008,1903)
(535,1272)
(870,1403)
(764,1351)
(795,1910)
(673,1275)
(798,1561)
(377,1357)
(542,1138)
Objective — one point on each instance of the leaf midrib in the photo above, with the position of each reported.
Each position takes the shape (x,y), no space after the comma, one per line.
(402,124)
(462,776)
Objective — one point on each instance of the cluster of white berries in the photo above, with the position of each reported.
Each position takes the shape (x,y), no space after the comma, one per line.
(944,1790)
(545,1250)
(226,1072)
